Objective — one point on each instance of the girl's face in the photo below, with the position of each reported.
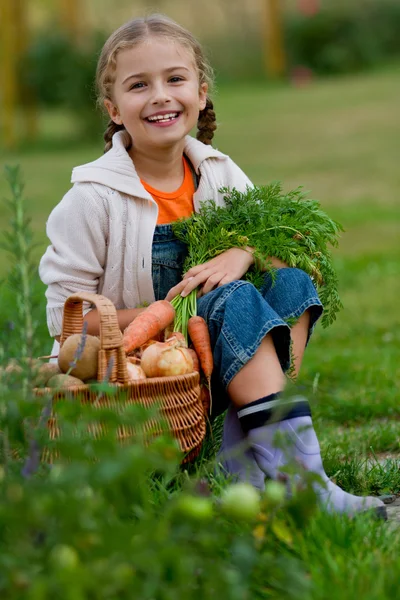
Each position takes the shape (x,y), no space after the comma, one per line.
(156,93)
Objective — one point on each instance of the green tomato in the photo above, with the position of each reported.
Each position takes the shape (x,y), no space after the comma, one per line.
(241,501)
(64,557)
(196,508)
(84,493)
(122,573)
(56,472)
(275,492)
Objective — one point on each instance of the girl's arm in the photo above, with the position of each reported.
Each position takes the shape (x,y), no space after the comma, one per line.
(124,315)
(74,262)
(276,262)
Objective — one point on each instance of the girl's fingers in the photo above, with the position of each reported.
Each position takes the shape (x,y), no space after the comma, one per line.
(193,271)
(212,282)
(177,289)
(194,282)
(225,279)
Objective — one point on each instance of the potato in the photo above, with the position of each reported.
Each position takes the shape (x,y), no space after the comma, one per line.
(45,371)
(63,382)
(87,365)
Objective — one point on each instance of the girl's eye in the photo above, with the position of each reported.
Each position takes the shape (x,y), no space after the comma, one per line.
(176,79)
(137,86)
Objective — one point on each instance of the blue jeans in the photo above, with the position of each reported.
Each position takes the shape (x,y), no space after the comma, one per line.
(239,315)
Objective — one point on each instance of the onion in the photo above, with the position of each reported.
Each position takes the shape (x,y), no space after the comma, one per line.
(166,359)
(177,336)
(135,372)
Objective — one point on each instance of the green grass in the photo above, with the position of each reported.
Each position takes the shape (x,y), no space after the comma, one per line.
(339,139)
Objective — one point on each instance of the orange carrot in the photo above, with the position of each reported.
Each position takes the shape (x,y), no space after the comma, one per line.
(148,324)
(198,331)
(195,359)
(205,398)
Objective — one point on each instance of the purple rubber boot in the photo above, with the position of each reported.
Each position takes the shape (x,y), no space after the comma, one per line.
(302,446)
(235,456)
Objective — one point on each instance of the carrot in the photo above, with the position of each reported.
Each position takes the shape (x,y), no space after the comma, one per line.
(198,331)
(148,324)
(195,359)
(205,398)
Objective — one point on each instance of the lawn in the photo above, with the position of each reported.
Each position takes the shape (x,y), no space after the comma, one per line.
(338,138)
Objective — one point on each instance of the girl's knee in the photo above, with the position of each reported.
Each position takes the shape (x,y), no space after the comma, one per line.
(292,292)
(234,297)
(240,292)
(294,278)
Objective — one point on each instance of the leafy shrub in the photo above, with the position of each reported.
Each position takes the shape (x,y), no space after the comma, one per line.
(344,37)
(62,73)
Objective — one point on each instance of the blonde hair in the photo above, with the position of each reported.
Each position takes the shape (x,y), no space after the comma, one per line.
(133,33)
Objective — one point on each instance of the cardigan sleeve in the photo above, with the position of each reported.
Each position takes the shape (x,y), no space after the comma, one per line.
(74,262)
(236,178)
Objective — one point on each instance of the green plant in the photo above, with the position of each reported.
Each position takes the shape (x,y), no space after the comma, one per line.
(21,279)
(287,226)
(61,73)
(344,37)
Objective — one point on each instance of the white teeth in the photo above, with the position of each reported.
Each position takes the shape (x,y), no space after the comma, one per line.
(163,117)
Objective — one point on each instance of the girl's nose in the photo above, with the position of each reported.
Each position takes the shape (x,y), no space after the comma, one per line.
(160,94)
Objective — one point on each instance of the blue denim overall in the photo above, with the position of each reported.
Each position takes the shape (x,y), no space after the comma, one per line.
(237,314)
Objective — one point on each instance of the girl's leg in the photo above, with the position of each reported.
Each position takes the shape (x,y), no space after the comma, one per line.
(262,374)
(236,316)
(231,312)
(299,334)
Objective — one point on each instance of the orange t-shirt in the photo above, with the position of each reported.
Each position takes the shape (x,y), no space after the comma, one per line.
(174,205)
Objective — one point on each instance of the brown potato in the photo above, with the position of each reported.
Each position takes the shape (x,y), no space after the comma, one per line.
(45,371)
(87,365)
(63,382)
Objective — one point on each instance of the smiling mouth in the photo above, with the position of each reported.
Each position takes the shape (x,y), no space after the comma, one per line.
(163,118)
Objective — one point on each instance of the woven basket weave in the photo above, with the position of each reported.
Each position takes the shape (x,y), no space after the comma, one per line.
(178,397)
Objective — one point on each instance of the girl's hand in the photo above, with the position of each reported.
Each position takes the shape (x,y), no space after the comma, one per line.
(224,268)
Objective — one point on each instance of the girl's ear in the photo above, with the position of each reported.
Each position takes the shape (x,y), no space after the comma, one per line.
(203,95)
(113,112)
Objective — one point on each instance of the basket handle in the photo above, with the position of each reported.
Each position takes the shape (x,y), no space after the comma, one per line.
(111,346)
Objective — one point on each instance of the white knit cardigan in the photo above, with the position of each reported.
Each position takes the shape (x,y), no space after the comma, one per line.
(101,232)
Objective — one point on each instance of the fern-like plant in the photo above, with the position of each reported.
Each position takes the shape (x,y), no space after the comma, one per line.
(288,226)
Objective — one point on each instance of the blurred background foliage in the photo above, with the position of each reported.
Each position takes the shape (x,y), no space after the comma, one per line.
(320,38)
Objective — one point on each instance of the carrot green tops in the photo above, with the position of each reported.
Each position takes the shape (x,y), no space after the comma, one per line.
(174,205)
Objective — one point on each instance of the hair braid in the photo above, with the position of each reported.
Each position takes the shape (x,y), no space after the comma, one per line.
(206,123)
(109,132)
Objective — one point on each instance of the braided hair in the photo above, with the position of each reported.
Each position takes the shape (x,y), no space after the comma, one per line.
(206,124)
(109,132)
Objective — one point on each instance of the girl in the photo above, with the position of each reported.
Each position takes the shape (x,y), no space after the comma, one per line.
(111,234)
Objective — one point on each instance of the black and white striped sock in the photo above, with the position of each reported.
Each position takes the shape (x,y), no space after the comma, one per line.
(272,408)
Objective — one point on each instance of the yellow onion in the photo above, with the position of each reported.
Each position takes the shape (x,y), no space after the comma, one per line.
(135,372)
(177,336)
(166,359)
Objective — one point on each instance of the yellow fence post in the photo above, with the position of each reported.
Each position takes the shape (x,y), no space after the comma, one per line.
(275,59)
(8,73)
(26,94)
(70,16)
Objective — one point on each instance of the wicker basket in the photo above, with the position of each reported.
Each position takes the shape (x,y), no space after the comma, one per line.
(178,397)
